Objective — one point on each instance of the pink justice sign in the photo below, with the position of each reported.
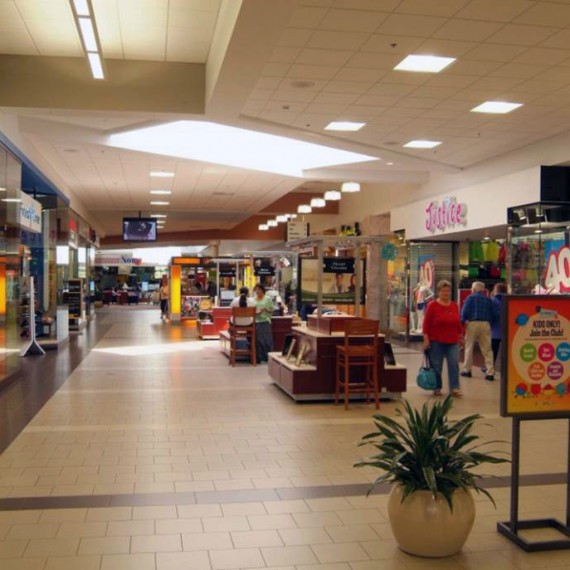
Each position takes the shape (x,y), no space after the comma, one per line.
(448,214)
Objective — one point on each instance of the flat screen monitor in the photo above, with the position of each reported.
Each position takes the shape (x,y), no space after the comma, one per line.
(139,229)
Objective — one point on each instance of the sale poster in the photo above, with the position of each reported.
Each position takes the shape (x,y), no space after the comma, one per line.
(536,378)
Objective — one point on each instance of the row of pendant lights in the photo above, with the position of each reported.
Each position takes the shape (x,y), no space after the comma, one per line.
(329,196)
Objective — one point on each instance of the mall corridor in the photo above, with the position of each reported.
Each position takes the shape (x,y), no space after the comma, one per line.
(155,454)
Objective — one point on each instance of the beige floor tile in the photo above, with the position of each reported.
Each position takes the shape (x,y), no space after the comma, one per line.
(361,516)
(380,549)
(106,545)
(178,526)
(27,531)
(308,520)
(73,563)
(110,514)
(162,543)
(81,529)
(256,539)
(239,558)
(338,566)
(236,509)
(23,564)
(304,536)
(128,562)
(45,548)
(340,552)
(332,504)
(63,515)
(220,524)
(206,541)
(286,507)
(353,533)
(19,517)
(146,513)
(130,528)
(183,561)
(12,548)
(288,555)
(271,522)
(65,490)
(198,511)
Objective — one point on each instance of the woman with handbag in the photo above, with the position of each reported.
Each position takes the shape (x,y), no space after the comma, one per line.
(442,336)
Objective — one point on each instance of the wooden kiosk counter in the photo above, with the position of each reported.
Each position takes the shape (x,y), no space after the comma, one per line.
(315,379)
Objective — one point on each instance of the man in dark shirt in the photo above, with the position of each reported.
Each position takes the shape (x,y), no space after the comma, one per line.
(477,315)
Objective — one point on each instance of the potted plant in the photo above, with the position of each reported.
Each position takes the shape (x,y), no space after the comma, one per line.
(429,459)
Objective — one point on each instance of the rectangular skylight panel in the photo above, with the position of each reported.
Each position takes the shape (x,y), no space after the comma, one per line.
(496,107)
(424,63)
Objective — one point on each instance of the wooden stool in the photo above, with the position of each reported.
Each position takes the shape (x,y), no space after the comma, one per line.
(360,350)
(242,328)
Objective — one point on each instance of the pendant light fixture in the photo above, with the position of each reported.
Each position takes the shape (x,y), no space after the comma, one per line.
(350,187)
(304,209)
(318,203)
(332,195)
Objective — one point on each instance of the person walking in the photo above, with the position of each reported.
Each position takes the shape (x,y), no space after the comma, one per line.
(442,336)
(499,290)
(263,334)
(477,315)
(163,296)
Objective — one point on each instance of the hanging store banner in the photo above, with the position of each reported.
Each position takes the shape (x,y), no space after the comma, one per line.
(536,356)
(29,213)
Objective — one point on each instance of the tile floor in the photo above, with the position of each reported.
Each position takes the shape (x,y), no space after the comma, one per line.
(164,457)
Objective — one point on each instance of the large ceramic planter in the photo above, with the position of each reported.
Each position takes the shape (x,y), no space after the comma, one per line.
(427,527)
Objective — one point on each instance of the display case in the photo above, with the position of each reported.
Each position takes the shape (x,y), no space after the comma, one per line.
(192,305)
(538,253)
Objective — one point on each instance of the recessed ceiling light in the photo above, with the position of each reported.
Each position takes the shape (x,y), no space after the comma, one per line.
(344,126)
(318,203)
(2,189)
(161,192)
(96,65)
(263,227)
(88,34)
(272,223)
(158,215)
(81,7)
(389,164)
(498,107)
(11,200)
(424,63)
(304,209)
(200,140)
(422,144)
(159,203)
(282,218)
(350,187)
(332,195)
(162,174)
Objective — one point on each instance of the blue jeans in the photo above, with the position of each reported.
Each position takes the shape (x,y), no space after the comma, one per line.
(437,352)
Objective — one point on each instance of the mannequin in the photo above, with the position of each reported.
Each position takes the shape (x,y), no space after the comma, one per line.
(423,295)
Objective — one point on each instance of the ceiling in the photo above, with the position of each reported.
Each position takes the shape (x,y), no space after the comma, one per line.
(285,67)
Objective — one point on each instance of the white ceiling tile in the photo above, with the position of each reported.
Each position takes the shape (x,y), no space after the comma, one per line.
(444,48)
(480,68)
(289,84)
(261,95)
(352,20)
(337,40)
(336,98)
(372,5)
(196,5)
(489,10)
(323,57)
(311,72)
(399,89)
(518,70)
(374,61)
(294,37)
(447,80)
(17,43)
(326,109)
(467,30)
(307,17)
(397,46)
(268,83)
(294,95)
(366,111)
(428,91)
(542,56)
(282,54)
(358,74)
(379,100)
(358,87)
(418,102)
(495,52)
(276,69)
(44,9)
(406,77)
(559,40)
(444,8)
(518,35)
(546,14)
(408,25)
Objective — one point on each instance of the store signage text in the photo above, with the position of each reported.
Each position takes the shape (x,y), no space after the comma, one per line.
(30,213)
(557,275)
(446,215)
(338,265)
(117,260)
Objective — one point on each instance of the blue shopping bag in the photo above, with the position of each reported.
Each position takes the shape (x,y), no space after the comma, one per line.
(426,379)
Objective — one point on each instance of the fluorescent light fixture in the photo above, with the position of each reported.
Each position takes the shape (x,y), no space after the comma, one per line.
(81,255)
(200,140)
(424,63)
(81,7)
(332,195)
(537,231)
(11,200)
(263,227)
(272,223)
(158,215)
(293,216)
(304,209)
(389,164)
(96,65)
(318,203)
(350,187)
(344,126)
(281,218)
(62,255)
(159,203)
(497,107)
(2,189)
(162,174)
(165,192)
(422,144)
(88,34)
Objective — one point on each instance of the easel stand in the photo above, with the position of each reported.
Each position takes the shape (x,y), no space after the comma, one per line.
(511,528)
(32,347)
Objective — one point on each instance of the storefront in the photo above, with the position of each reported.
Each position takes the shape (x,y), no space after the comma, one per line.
(459,236)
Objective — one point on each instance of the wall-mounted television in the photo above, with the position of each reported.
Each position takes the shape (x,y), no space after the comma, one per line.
(139,229)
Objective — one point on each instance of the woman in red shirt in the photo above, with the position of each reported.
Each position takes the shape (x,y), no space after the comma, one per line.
(442,337)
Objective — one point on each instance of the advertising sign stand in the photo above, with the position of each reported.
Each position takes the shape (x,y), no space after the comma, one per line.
(511,528)
(32,347)
(535,385)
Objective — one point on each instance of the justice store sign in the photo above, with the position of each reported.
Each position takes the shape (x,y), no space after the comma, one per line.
(448,214)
